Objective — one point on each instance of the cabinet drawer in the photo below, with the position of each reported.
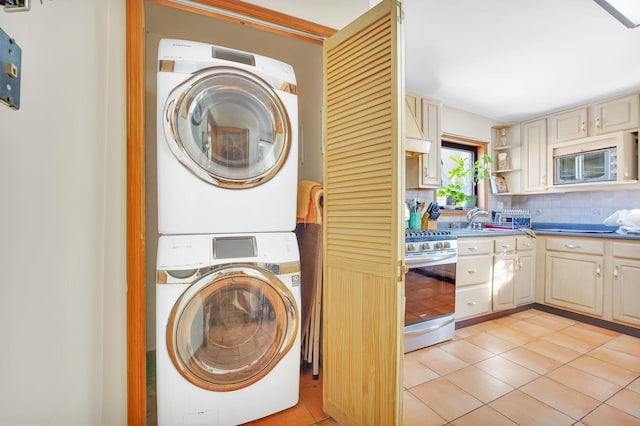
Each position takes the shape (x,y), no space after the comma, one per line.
(472,247)
(473,301)
(503,245)
(473,270)
(525,244)
(576,245)
(628,250)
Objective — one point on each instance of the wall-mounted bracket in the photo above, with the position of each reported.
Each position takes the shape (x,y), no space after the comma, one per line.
(10,70)
(16,5)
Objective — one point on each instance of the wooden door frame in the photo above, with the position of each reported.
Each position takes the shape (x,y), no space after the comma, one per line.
(135,167)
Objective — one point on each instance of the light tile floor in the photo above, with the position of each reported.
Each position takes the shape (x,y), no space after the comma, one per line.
(529,368)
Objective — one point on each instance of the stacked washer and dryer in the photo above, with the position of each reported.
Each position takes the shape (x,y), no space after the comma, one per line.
(228,266)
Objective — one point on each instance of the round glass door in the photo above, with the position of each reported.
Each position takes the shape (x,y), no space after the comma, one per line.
(229,127)
(231,327)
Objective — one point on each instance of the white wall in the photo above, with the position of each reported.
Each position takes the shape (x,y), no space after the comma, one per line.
(62,298)
(463,123)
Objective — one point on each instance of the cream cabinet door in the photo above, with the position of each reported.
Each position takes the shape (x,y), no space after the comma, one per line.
(569,125)
(363,227)
(616,114)
(626,291)
(525,279)
(504,270)
(574,281)
(534,148)
(424,171)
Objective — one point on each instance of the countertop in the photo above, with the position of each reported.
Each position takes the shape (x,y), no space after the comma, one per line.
(559,229)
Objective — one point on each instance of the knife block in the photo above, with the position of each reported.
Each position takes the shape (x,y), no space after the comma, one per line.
(429,224)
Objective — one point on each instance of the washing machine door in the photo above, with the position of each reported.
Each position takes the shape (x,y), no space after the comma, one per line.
(229,127)
(231,327)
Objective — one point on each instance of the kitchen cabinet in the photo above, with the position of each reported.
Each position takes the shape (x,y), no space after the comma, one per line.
(423,171)
(534,151)
(616,114)
(473,277)
(574,274)
(513,272)
(611,115)
(625,276)
(506,152)
(569,125)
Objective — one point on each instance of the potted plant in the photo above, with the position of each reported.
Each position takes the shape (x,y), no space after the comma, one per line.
(463,173)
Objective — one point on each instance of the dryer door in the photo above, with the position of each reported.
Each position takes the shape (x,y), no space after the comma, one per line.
(231,327)
(228,126)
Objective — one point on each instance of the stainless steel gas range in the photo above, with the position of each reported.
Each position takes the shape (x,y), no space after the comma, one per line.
(430,287)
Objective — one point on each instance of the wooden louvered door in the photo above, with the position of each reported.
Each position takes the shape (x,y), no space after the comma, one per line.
(363,299)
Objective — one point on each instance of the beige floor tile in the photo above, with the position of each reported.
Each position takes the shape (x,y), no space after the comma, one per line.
(560,397)
(440,361)
(570,342)
(604,370)
(558,318)
(584,382)
(621,359)
(484,415)
(529,313)
(586,335)
(506,321)
(627,401)
(525,410)
(479,384)
(627,344)
(547,322)
(609,416)
(511,335)
(466,332)
(531,329)
(415,413)
(596,329)
(445,398)
(551,350)
(491,343)
(507,371)
(533,361)
(635,385)
(416,373)
(466,351)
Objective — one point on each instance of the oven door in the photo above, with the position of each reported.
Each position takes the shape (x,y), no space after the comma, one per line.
(430,292)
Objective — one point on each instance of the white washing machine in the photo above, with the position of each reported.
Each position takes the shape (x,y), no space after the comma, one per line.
(227,324)
(227,140)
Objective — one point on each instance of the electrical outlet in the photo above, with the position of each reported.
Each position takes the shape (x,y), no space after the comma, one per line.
(538,212)
(595,212)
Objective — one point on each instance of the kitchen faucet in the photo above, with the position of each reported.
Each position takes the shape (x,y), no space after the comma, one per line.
(473,214)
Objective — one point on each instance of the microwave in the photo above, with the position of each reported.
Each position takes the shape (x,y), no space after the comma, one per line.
(592,160)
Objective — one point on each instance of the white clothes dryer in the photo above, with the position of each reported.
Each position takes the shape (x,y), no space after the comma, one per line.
(227,140)
(227,327)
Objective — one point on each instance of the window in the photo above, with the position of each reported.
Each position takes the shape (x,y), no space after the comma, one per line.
(471,149)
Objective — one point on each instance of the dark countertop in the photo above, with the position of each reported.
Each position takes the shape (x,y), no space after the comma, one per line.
(555,229)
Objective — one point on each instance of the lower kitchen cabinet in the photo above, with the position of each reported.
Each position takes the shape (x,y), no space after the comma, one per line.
(513,272)
(625,277)
(574,274)
(494,274)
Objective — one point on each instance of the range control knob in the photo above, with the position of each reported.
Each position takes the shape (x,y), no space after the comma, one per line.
(410,247)
(438,245)
(424,246)
(447,244)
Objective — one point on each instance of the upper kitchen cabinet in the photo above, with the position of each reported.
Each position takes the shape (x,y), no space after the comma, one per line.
(423,172)
(607,116)
(506,148)
(534,150)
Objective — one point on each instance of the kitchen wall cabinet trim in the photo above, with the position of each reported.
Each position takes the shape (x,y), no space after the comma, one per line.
(423,171)
(534,156)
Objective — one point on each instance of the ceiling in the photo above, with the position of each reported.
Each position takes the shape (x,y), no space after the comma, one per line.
(512,60)
(507,60)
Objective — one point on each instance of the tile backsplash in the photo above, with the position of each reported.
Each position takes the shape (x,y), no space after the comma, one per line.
(577,207)
(571,207)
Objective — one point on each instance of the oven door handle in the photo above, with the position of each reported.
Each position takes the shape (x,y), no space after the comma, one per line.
(426,261)
(428,329)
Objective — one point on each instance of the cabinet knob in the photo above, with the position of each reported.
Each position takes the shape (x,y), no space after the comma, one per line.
(572,246)
(472,303)
(597,122)
(582,126)
(472,271)
(598,270)
(615,272)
